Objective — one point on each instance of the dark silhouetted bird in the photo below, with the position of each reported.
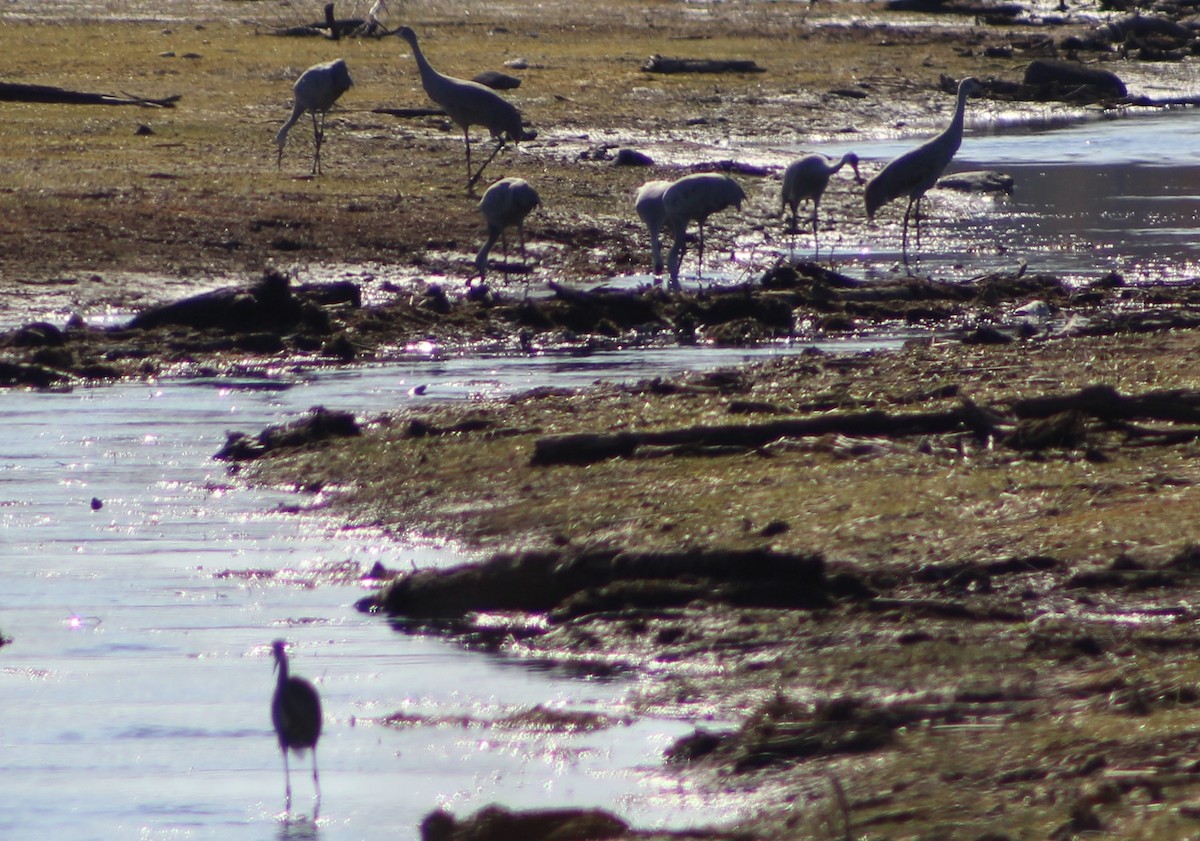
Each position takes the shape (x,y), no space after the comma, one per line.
(296,713)
(917,170)
(505,204)
(317,89)
(695,198)
(807,178)
(467,104)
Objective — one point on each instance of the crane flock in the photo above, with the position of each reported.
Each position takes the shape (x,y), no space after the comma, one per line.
(660,204)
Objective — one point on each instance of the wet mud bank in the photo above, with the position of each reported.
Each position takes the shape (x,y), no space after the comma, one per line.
(984,626)
(272,322)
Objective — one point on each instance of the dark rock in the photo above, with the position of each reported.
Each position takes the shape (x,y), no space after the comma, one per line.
(978,181)
(1058,77)
(631,157)
(37,334)
(496,80)
(319,425)
(496,823)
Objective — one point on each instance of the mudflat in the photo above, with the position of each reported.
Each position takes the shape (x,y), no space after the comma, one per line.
(942,592)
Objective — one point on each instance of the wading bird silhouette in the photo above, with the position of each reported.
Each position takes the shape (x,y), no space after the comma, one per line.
(504,204)
(317,89)
(917,170)
(696,197)
(649,206)
(467,104)
(807,178)
(296,714)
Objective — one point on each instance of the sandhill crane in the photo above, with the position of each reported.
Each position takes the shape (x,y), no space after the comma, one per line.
(505,204)
(696,197)
(467,104)
(807,178)
(649,206)
(917,170)
(296,714)
(317,89)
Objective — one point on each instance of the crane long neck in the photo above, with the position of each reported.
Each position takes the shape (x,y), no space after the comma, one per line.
(428,74)
(282,666)
(954,131)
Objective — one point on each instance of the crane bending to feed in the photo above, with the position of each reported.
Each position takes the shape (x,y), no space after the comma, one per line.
(807,178)
(317,89)
(296,714)
(467,104)
(505,204)
(917,170)
(696,197)
(649,206)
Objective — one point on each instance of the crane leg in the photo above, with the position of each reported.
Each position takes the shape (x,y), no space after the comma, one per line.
(470,180)
(473,179)
(816,243)
(287,784)
(318,136)
(316,786)
(904,236)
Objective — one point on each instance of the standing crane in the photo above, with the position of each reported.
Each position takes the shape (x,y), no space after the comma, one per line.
(696,197)
(807,178)
(649,206)
(317,89)
(917,170)
(505,204)
(296,714)
(467,104)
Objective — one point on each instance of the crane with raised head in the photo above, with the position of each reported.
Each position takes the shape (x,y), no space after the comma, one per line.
(694,198)
(807,179)
(296,714)
(467,104)
(917,170)
(317,89)
(505,204)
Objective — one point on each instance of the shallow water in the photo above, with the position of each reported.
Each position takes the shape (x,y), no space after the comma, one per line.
(137,686)
(1117,194)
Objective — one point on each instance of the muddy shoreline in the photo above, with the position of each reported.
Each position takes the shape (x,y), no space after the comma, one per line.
(983,628)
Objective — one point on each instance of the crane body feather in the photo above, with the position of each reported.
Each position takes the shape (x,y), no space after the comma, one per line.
(505,204)
(694,198)
(315,92)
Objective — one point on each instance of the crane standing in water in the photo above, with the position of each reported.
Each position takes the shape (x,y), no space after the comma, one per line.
(505,204)
(807,178)
(696,197)
(917,170)
(467,104)
(296,714)
(317,89)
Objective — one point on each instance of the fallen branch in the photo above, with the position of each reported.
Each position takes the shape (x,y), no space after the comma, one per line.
(590,447)
(1107,404)
(16,92)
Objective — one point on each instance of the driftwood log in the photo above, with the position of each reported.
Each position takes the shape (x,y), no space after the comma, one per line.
(590,447)
(573,584)
(660,64)
(16,92)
